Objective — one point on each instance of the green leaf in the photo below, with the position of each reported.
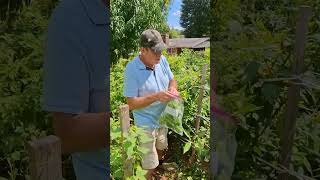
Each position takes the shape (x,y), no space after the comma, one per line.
(130,152)
(186,147)
(252,70)
(15,156)
(140,172)
(115,135)
(187,134)
(270,92)
(307,164)
(247,108)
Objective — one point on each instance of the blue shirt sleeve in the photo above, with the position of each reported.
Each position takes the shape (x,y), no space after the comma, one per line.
(130,88)
(66,76)
(167,67)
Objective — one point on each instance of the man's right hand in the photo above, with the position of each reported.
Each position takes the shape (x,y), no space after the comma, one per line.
(164,96)
(144,101)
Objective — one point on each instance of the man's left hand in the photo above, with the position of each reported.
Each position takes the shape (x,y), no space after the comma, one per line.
(173,91)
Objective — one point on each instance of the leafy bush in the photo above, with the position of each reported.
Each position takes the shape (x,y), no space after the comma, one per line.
(252,42)
(21,117)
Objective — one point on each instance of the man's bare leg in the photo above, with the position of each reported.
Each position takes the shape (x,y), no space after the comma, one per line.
(160,154)
(149,174)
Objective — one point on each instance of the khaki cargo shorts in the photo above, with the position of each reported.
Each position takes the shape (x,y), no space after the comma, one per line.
(159,142)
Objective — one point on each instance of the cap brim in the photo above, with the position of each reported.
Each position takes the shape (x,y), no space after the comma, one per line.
(160,47)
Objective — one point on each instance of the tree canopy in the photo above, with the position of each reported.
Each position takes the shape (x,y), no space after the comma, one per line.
(129,20)
(195,17)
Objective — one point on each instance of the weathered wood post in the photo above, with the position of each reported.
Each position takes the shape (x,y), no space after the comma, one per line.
(125,125)
(289,124)
(45,158)
(200,98)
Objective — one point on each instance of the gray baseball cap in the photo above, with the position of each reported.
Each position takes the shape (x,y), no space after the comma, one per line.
(151,38)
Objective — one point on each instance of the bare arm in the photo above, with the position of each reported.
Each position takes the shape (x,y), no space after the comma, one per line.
(173,85)
(141,102)
(83,132)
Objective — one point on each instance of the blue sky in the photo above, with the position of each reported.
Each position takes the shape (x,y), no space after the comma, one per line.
(174,14)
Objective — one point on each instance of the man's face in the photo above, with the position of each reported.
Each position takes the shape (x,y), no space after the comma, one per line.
(151,56)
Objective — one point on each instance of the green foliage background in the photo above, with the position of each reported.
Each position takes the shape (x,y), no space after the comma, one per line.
(252,41)
(21,118)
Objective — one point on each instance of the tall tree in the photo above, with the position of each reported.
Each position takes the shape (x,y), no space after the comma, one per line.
(129,19)
(195,17)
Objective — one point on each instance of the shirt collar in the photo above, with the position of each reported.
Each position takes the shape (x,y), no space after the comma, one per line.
(97,11)
(142,66)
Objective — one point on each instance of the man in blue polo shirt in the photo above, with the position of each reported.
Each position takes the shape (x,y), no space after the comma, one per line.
(76,83)
(148,85)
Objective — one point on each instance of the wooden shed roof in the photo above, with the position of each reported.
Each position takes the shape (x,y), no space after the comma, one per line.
(189,43)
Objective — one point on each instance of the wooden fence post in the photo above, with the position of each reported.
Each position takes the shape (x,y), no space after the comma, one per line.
(45,158)
(289,124)
(125,125)
(197,121)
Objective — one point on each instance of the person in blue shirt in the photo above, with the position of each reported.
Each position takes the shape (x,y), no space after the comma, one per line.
(76,83)
(148,86)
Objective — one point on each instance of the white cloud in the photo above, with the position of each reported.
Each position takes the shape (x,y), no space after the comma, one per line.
(177,13)
(178,28)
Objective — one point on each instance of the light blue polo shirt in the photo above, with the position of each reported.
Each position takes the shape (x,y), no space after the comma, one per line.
(76,72)
(138,82)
